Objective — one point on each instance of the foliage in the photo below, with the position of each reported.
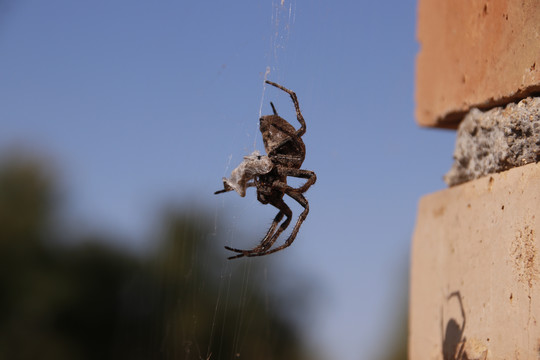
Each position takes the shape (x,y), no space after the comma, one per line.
(68,296)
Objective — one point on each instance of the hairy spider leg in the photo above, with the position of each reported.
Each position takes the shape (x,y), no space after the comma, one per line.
(272,235)
(299,116)
(296,194)
(273,108)
(299,173)
(302,201)
(268,241)
(268,235)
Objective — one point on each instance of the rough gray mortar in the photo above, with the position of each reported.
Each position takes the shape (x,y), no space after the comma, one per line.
(496,140)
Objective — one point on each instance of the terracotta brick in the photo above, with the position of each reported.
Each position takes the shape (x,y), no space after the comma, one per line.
(475,270)
(474,54)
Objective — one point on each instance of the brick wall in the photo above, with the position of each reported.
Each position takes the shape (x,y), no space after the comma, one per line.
(475,263)
(474,54)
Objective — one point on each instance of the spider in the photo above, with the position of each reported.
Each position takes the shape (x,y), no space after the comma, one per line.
(268,173)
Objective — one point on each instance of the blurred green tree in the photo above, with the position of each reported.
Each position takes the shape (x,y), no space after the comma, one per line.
(82,299)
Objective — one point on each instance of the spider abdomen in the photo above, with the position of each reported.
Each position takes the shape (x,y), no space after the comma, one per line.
(281,141)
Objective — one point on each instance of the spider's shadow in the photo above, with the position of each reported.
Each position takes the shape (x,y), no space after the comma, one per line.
(453,341)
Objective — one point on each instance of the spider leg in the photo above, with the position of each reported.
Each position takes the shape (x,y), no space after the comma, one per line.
(302,201)
(273,108)
(299,116)
(296,194)
(299,173)
(268,240)
(272,234)
(268,235)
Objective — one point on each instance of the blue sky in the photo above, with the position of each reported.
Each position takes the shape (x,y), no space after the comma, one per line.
(141,102)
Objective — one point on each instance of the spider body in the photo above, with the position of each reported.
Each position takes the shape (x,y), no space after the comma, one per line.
(286,150)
